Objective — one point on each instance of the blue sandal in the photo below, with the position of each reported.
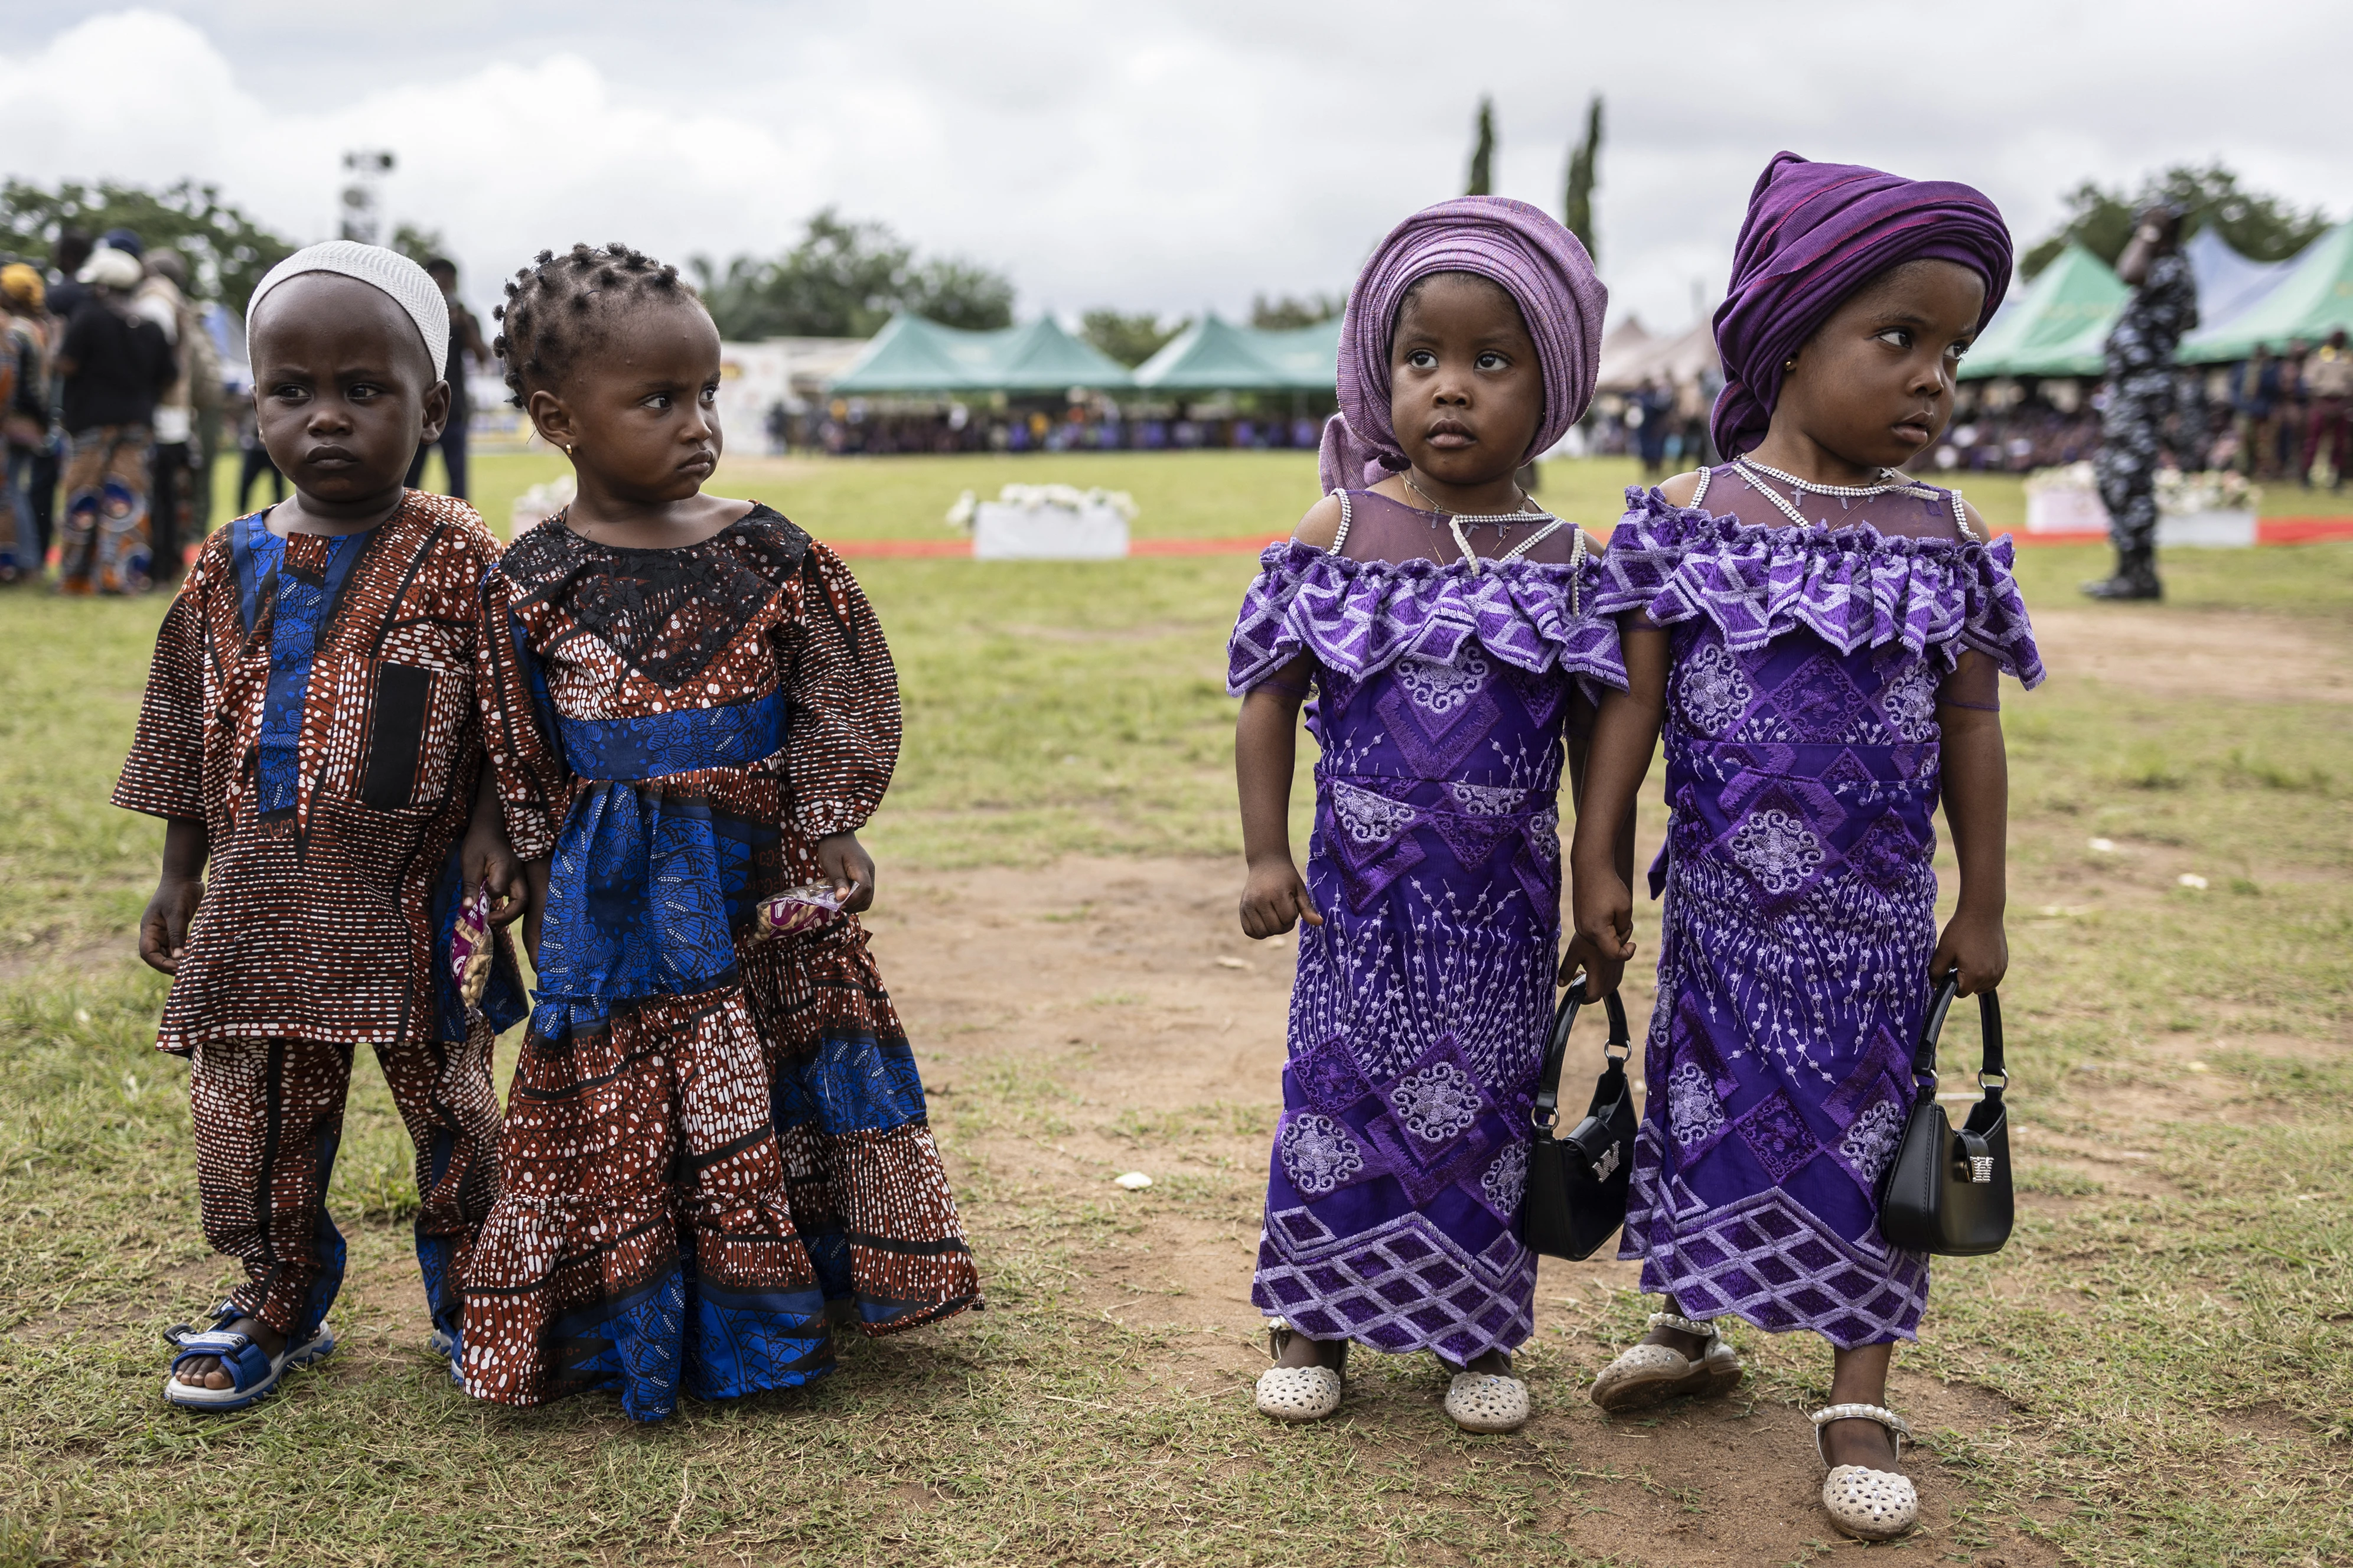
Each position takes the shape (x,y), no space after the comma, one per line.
(450,1348)
(252,1370)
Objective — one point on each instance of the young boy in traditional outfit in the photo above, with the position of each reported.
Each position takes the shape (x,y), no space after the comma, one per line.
(310,731)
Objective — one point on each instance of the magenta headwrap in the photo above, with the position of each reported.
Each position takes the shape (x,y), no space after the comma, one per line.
(1815,233)
(1520,247)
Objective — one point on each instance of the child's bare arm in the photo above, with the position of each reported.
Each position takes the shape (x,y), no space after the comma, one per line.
(1977,807)
(1580,754)
(1266,750)
(1625,735)
(163,924)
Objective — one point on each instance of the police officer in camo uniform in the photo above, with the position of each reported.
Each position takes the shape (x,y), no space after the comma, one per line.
(2141,393)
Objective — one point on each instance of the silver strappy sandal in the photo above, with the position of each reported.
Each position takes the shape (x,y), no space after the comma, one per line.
(1867,1504)
(1298,1393)
(1647,1374)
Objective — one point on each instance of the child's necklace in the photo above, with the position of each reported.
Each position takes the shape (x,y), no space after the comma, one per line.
(1890,481)
(1529,512)
(1757,473)
(1553,525)
(1893,483)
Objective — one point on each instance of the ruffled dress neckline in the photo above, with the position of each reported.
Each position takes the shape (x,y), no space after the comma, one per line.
(1852,585)
(1359,617)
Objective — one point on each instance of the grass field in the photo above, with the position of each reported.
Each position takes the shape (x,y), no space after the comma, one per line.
(2160,1354)
(1200,495)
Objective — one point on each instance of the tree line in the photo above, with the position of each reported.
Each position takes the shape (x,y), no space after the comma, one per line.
(844,277)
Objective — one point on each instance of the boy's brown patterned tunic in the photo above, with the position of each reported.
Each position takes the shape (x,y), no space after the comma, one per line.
(316,922)
(313,702)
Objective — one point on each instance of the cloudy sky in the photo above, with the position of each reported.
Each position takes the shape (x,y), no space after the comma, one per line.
(1153,156)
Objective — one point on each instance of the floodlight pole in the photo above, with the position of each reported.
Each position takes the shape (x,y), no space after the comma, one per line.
(363,199)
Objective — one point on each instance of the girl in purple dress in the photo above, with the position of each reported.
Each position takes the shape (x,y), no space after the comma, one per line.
(1447,626)
(1820,637)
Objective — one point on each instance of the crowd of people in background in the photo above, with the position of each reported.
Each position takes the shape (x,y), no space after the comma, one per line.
(1663,423)
(2286,418)
(101,408)
(2032,433)
(850,426)
(2288,411)
(116,397)
(115,403)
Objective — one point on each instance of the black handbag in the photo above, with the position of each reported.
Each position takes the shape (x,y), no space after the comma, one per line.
(1948,1190)
(1576,1184)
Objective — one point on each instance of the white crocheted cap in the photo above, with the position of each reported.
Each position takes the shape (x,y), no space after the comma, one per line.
(410,285)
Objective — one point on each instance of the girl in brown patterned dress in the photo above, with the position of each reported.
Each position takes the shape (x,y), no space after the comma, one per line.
(715,1143)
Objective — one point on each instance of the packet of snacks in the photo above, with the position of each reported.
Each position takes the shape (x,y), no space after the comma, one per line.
(794,910)
(470,945)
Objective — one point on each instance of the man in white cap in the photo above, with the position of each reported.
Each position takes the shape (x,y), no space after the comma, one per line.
(115,364)
(311,738)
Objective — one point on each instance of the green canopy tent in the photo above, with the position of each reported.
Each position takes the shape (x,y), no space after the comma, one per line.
(1042,357)
(1209,356)
(1308,356)
(2311,301)
(911,356)
(2059,326)
(1214,355)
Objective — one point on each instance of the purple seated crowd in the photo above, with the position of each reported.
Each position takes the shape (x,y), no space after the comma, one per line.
(844,430)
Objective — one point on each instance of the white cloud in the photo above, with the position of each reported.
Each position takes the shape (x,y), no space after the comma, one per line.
(1162,154)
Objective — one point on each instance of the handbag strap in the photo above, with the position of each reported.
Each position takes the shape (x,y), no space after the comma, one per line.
(1991,1074)
(1620,1046)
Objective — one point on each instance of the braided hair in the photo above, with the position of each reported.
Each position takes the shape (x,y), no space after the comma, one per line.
(560,307)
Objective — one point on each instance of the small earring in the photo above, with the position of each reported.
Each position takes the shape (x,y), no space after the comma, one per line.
(1787,364)
(567,446)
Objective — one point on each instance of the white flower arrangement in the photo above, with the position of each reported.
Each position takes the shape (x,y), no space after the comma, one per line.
(2216,489)
(1030,498)
(2068,477)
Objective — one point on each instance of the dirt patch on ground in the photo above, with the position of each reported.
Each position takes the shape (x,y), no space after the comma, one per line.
(40,957)
(2239,656)
(1153,1035)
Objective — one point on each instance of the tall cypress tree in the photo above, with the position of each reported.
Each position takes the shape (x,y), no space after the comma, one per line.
(1583,161)
(1482,152)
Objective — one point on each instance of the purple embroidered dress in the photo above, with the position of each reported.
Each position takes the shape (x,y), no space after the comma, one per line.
(1419,1016)
(1802,770)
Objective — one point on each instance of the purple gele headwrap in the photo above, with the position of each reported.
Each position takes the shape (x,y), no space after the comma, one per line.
(1815,233)
(1517,246)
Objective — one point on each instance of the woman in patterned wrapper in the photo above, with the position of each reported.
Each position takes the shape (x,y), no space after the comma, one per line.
(1446,625)
(716,1144)
(1820,637)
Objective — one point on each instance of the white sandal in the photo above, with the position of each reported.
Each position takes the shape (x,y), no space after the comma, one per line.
(1647,1374)
(1487,1402)
(1867,1504)
(1298,1393)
